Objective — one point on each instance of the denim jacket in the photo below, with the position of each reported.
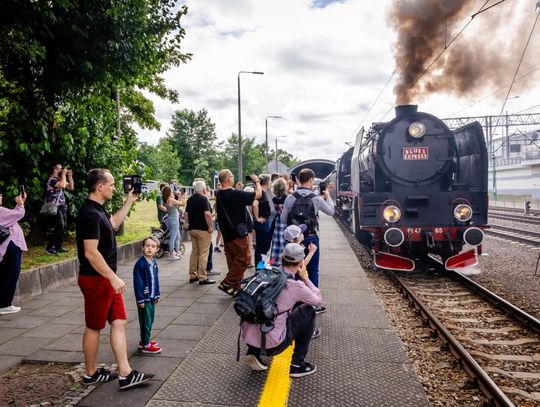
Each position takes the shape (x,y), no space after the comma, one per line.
(145,281)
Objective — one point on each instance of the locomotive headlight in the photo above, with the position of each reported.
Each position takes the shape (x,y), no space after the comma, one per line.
(417,129)
(391,214)
(463,212)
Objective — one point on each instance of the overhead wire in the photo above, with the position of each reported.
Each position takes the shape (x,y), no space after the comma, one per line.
(519,64)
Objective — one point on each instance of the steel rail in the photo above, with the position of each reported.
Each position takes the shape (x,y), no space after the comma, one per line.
(512,237)
(515,218)
(533,212)
(485,383)
(526,319)
(516,230)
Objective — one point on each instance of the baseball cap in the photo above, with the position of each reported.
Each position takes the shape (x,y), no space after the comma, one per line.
(294,253)
(291,232)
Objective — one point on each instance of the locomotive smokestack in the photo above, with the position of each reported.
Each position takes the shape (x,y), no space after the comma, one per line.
(406,110)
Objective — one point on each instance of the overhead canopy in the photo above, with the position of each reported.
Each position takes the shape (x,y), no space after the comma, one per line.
(322,168)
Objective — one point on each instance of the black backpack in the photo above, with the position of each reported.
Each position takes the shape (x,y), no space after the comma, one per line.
(303,211)
(256,301)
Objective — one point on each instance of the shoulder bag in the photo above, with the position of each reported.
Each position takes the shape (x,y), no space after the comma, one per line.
(49,208)
(241,229)
(4,234)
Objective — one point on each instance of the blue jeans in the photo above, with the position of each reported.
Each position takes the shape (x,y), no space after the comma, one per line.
(313,266)
(174,235)
(263,239)
(10,269)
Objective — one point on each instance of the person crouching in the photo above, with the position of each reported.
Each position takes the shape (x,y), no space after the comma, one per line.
(146,286)
(295,321)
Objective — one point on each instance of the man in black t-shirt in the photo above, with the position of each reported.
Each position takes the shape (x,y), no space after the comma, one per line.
(101,287)
(262,220)
(232,217)
(199,216)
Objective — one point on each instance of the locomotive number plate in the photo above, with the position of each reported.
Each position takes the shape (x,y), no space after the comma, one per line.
(415,153)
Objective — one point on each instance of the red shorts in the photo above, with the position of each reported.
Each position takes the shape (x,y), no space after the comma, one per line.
(101,303)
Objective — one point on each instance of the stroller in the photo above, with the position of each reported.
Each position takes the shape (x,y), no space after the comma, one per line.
(162,236)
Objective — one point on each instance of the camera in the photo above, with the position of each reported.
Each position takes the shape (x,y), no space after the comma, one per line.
(322,187)
(248,178)
(132,183)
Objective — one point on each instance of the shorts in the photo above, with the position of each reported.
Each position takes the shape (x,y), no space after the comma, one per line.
(101,303)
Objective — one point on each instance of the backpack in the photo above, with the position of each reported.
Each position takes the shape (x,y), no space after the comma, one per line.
(303,211)
(256,301)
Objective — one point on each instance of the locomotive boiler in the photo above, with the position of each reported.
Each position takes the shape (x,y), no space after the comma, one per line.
(412,187)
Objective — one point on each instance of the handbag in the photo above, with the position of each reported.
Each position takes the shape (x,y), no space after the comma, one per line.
(4,233)
(49,208)
(241,229)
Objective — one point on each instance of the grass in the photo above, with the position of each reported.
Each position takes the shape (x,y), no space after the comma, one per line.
(137,226)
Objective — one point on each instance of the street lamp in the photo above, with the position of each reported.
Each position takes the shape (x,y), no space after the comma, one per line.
(277,152)
(240,172)
(266,142)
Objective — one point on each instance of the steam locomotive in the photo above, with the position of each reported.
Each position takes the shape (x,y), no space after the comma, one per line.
(412,187)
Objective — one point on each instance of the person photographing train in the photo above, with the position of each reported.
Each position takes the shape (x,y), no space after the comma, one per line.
(302,207)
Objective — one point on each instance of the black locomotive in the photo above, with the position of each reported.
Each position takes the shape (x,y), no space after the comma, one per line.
(411,187)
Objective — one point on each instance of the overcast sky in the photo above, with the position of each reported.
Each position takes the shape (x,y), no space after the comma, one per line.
(324,63)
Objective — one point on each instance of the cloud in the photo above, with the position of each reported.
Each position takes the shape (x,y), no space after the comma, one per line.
(324,64)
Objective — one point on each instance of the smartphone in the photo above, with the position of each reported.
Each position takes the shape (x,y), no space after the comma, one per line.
(21,190)
(248,178)
(132,182)
(322,187)
(293,177)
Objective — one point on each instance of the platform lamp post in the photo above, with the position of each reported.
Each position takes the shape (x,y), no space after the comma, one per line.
(240,164)
(266,138)
(277,152)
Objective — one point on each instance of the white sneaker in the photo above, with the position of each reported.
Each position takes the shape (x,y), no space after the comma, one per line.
(173,258)
(9,310)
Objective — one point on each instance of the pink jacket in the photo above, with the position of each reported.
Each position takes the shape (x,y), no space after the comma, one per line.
(9,219)
(295,291)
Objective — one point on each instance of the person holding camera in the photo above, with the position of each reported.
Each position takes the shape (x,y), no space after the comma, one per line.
(302,207)
(101,288)
(173,222)
(231,207)
(11,248)
(59,180)
(262,220)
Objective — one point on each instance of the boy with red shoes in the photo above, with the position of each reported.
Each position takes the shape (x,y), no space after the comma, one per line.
(146,286)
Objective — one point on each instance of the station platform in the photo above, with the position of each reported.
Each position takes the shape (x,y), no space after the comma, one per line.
(360,361)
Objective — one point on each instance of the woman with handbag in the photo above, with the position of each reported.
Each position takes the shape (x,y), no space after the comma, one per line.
(173,222)
(12,244)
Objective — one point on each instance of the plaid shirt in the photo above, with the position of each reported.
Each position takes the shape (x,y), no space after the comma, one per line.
(278,240)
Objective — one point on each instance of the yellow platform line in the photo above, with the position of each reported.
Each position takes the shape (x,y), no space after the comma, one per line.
(276,389)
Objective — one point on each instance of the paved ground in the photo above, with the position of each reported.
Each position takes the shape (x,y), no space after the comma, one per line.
(360,360)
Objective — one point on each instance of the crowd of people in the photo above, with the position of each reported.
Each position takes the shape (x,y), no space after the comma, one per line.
(273,215)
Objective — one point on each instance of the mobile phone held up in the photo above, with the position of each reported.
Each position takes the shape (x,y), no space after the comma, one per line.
(322,187)
(248,178)
(132,182)
(21,190)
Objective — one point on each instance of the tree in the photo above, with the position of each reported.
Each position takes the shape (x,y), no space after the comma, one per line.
(61,65)
(193,137)
(161,162)
(253,158)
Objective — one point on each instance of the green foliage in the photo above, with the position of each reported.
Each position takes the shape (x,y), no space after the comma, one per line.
(61,63)
(161,161)
(193,137)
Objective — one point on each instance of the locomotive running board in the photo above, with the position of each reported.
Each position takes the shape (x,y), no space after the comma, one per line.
(392,262)
(462,260)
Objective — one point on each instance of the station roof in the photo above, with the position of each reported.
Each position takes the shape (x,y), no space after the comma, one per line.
(321,167)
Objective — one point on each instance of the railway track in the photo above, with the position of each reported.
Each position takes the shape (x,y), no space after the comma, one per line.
(497,343)
(514,234)
(534,212)
(531,220)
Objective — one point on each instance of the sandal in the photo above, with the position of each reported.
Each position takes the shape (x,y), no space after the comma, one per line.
(227,289)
